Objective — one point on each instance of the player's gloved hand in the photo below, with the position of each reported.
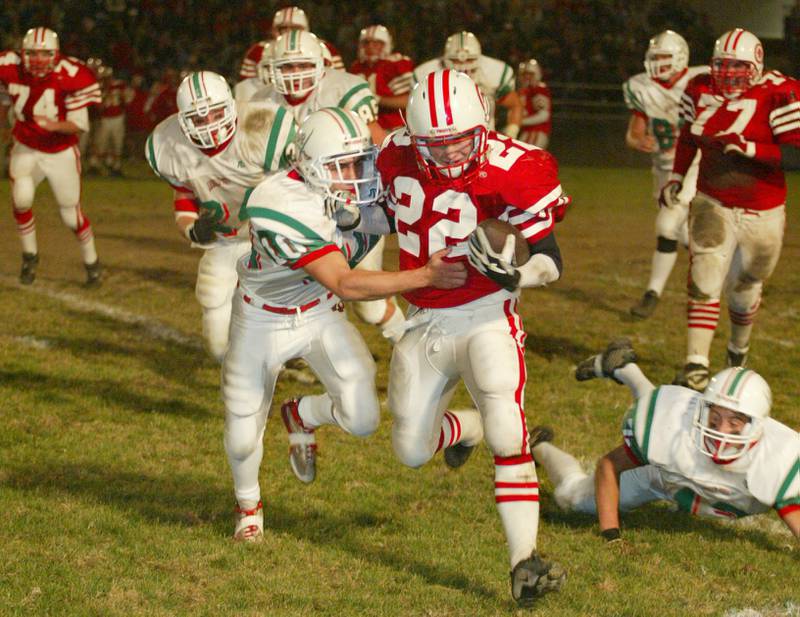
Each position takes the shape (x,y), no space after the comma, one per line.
(202,231)
(735,143)
(668,197)
(497,266)
(346,214)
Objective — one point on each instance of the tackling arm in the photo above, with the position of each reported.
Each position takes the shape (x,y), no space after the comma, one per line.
(637,137)
(792,520)
(606,484)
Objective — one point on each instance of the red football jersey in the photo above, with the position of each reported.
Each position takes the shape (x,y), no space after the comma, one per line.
(767,115)
(256,51)
(115,98)
(69,87)
(518,184)
(537,103)
(390,76)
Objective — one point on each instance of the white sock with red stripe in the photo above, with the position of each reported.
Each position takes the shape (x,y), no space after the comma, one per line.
(464,426)
(83,232)
(26,228)
(703,317)
(742,326)
(516,492)
(661,269)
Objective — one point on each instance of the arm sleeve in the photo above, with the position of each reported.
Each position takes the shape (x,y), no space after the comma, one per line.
(544,265)
(286,240)
(83,90)
(784,120)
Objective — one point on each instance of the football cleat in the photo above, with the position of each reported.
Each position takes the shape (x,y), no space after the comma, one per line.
(533,577)
(94,273)
(694,376)
(736,358)
(540,434)
(302,443)
(27,273)
(618,353)
(457,454)
(646,306)
(249,524)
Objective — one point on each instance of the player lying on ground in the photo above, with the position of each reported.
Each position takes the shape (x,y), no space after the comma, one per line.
(715,454)
(288,304)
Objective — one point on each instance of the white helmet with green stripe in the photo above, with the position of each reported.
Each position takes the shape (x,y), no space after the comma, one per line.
(462,51)
(206,109)
(335,156)
(748,396)
(297,63)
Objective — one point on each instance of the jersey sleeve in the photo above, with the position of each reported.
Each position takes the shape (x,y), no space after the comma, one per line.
(269,135)
(157,156)
(81,88)
(533,226)
(531,184)
(9,61)
(637,427)
(784,119)
(357,245)
(251,60)
(633,100)
(360,99)
(788,496)
(401,78)
(507,82)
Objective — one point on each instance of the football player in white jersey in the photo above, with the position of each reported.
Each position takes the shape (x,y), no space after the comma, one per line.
(495,78)
(295,76)
(653,98)
(717,453)
(212,156)
(288,304)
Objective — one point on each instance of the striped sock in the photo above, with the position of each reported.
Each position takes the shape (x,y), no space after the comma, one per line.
(26,228)
(516,492)
(460,427)
(703,317)
(742,325)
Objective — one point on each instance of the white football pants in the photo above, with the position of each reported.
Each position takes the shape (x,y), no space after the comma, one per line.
(108,141)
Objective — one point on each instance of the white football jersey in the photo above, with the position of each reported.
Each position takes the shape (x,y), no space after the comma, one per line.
(244,90)
(220,182)
(658,430)
(335,89)
(661,106)
(289,228)
(494,77)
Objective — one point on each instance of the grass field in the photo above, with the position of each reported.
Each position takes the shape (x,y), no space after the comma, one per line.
(116,498)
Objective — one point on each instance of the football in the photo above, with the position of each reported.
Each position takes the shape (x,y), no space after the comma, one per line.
(496,232)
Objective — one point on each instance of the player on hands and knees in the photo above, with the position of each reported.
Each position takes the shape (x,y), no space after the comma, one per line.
(50,95)
(739,117)
(288,303)
(715,454)
(446,173)
(654,99)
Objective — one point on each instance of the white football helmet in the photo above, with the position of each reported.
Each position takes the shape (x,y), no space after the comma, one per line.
(446,118)
(289,18)
(264,66)
(740,390)
(462,51)
(737,62)
(334,153)
(40,51)
(297,63)
(530,73)
(667,55)
(206,110)
(377,33)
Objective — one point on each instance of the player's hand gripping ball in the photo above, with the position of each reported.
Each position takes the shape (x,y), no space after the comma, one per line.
(496,249)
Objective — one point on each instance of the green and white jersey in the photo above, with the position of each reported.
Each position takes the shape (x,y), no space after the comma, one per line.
(289,228)
(658,431)
(335,89)
(494,77)
(660,106)
(219,182)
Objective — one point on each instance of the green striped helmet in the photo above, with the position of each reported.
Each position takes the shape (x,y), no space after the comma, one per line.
(733,391)
(296,63)
(206,111)
(334,153)
(461,52)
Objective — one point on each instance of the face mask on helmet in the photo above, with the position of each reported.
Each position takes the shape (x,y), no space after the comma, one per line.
(336,157)
(40,51)
(296,64)
(729,419)
(374,43)
(206,110)
(737,62)
(446,120)
(462,52)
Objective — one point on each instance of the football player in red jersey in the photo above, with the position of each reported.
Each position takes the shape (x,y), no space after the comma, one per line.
(286,19)
(390,75)
(50,94)
(110,135)
(739,117)
(537,105)
(445,174)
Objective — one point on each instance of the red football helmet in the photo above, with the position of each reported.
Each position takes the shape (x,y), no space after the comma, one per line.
(447,120)
(40,51)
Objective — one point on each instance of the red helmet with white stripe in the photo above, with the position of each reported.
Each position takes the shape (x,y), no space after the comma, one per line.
(447,120)
(39,51)
(737,62)
(289,18)
(374,43)
(206,110)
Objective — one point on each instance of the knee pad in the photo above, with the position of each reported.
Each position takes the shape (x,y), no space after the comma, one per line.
(242,435)
(216,330)
(71,216)
(665,245)
(22,191)
(371,311)
(413,450)
(216,278)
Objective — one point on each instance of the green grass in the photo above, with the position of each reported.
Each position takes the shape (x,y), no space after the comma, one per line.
(117,500)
